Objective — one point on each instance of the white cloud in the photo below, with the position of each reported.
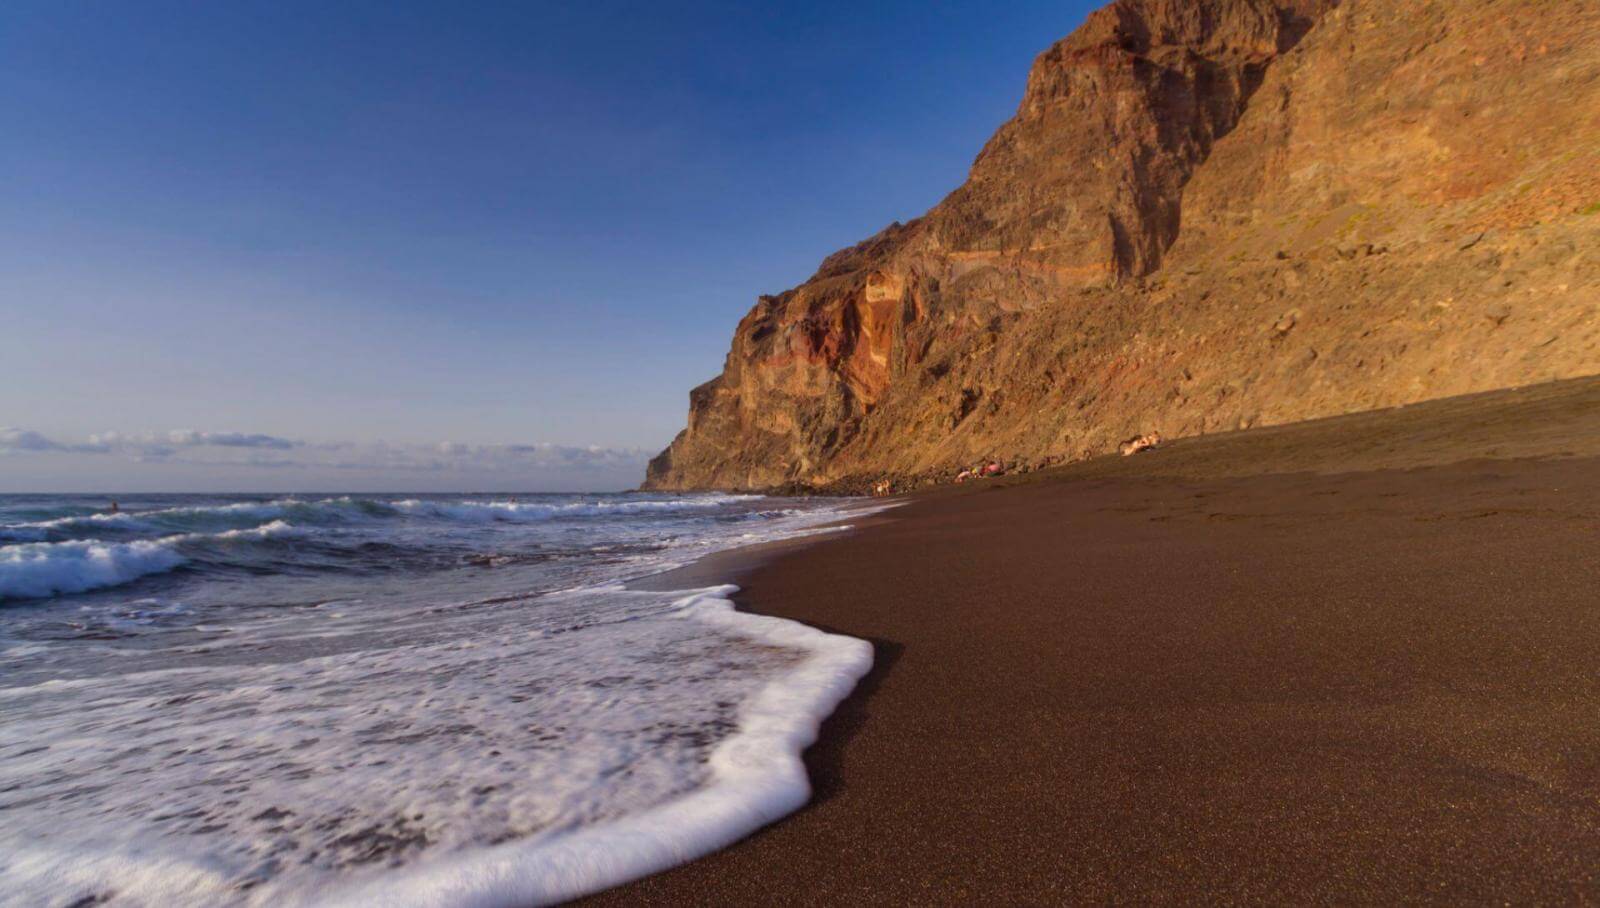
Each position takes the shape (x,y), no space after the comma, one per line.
(15,441)
(163,444)
(190,437)
(266,452)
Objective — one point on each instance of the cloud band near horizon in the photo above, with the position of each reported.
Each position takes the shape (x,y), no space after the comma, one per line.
(240,451)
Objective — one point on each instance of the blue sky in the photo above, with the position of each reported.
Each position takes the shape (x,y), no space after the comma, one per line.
(433,228)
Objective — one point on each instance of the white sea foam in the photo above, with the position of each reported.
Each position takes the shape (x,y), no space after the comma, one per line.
(529,763)
(756,778)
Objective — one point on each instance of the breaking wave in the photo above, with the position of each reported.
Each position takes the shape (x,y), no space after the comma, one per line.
(40,569)
(35,570)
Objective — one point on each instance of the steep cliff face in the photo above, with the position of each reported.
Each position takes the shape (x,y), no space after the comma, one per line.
(1205,215)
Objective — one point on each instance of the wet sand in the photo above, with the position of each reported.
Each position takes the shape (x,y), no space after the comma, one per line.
(1352,660)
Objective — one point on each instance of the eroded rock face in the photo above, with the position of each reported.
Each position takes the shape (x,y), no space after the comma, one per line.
(1206,215)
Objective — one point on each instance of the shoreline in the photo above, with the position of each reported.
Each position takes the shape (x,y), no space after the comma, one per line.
(1231,669)
(738,746)
(757,776)
(727,566)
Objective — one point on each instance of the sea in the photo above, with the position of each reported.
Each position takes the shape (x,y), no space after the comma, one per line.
(455,700)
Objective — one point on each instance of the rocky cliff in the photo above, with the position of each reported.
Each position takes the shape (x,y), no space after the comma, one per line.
(1205,215)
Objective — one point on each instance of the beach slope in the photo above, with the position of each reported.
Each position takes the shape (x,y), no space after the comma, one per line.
(1346,660)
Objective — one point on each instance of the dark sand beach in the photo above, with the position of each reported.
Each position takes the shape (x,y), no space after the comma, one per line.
(1354,660)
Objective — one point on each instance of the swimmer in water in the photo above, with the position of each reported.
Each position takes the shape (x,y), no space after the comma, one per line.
(114,508)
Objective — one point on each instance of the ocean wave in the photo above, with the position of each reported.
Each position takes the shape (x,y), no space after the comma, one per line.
(23,533)
(34,570)
(192,519)
(527,512)
(46,530)
(344,510)
(562,674)
(39,569)
(277,529)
